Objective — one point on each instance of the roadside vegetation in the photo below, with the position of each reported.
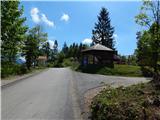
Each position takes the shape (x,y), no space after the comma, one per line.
(132,103)
(20,41)
(32,43)
(137,102)
(20,71)
(142,101)
(69,56)
(119,70)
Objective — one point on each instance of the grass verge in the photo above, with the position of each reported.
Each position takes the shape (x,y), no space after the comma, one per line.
(67,62)
(119,70)
(32,71)
(137,102)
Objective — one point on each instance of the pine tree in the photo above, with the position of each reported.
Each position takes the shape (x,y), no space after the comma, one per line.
(65,49)
(30,50)
(47,50)
(35,39)
(55,47)
(103,31)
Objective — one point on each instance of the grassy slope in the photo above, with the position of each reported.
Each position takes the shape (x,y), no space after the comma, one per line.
(33,70)
(132,103)
(70,63)
(120,70)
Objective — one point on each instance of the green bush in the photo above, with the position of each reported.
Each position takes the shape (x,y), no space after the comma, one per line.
(22,69)
(50,64)
(123,111)
(8,69)
(137,102)
(146,71)
(59,60)
(120,70)
(57,64)
(71,62)
(67,62)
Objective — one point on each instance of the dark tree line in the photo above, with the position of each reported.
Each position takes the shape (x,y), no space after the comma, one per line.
(74,50)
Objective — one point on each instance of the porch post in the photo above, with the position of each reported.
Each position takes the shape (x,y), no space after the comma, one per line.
(93,59)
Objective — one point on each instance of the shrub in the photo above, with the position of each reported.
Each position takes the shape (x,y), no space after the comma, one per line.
(22,69)
(57,64)
(137,102)
(120,70)
(50,64)
(67,62)
(123,111)
(146,71)
(8,69)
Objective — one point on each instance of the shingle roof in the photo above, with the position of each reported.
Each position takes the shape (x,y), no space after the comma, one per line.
(98,47)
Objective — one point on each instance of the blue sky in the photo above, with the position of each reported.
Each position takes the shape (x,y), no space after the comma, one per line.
(74,21)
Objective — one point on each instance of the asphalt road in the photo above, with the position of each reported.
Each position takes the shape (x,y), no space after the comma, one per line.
(56,94)
(47,96)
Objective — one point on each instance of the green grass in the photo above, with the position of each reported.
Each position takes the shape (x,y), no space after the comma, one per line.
(119,70)
(33,70)
(132,103)
(68,62)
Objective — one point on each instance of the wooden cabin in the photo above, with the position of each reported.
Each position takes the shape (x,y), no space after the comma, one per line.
(98,54)
(42,60)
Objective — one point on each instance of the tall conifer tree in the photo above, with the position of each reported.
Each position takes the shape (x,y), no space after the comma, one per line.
(103,31)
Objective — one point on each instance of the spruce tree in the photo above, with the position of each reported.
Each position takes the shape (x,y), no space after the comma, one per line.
(65,49)
(55,47)
(46,48)
(103,31)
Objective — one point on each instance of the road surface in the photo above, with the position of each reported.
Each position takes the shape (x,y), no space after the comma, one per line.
(56,94)
(46,96)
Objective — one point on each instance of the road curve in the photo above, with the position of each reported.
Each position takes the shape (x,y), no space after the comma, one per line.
(56,94)
(47,96)
(84,82)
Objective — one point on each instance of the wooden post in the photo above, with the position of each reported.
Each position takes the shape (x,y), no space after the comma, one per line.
(93,60)
(82,60)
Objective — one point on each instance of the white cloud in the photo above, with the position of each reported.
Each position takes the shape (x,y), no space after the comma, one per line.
(65,17)
(51,43)
(35,16)
(38,17)
(45,20)
(87,41)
